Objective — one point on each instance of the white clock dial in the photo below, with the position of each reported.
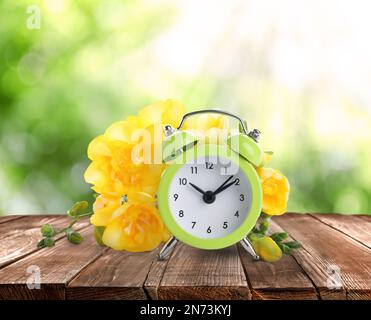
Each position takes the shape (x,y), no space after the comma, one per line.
(196,205)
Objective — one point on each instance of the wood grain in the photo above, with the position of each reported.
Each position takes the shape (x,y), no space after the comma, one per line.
(352,226)
(283,279)
(9,218)
(58,265)
(115,275)
(88,271)
(19,237)
(200,274)
(327,255)
(365,217)
(154,277)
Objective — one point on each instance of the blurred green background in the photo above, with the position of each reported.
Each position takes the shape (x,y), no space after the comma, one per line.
(298,71)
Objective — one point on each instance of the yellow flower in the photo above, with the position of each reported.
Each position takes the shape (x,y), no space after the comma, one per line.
(124,157)
(133,226)
(267,249)
(211,128)
(276,190)
(163,113)
(267,157)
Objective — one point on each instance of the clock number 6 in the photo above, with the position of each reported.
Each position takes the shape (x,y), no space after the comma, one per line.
(208,229)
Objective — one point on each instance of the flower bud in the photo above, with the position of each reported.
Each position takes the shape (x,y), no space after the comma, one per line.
(46,242)
(74,237)
(78,208)
(47,230)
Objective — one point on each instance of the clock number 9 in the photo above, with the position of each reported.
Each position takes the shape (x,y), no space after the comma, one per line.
(181,213)
(176,196)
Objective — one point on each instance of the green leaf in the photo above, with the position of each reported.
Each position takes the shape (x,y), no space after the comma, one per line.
(47,230)
(74,237)
(285,249)
(293,244)
(98,234)
(78,208)
(279,236)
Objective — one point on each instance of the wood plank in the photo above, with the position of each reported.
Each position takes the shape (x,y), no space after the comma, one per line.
(365,217)
(200,274)
(58,265)
(115,275)
(19,237)
(155,274)
(353,226)
(4,219)
(328,255)
(283,279)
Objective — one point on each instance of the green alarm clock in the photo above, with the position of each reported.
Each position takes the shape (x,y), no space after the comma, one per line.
(210,196)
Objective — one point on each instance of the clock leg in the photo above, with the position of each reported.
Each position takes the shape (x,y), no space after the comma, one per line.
(248,247)
(167,248)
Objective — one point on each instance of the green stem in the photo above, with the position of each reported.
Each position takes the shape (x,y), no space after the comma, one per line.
(76,219)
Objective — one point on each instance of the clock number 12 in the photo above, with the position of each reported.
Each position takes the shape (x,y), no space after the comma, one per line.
(209,165)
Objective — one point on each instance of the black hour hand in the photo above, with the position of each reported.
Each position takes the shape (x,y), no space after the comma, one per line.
(197,188)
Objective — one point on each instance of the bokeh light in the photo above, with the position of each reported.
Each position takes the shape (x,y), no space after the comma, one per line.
(300,71)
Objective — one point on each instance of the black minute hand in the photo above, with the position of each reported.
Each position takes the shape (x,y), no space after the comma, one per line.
(224,183)
(224,187)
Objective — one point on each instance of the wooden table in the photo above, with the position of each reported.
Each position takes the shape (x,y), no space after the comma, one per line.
(334,263)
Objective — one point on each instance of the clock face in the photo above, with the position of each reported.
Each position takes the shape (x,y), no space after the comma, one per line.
(209,199)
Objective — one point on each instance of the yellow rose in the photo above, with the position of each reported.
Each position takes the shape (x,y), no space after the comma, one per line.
(276,190)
